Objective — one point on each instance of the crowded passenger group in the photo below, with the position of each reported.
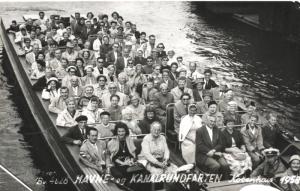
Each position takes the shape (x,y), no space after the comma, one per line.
(104,78)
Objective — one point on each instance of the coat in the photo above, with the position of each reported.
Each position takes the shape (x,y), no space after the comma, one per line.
(186,124)
(252,141)
(120,65)
(90,156)
(113,146)
(64,119)
(270,136)
(111,57)
(80,91)
(236,135)
(73,134)
(204,144)
(210,84)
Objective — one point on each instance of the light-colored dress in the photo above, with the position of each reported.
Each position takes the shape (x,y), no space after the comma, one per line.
(187,135)
(154,149)
(238,167)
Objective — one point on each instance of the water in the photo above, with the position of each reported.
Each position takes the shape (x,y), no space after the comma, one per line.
(262,67)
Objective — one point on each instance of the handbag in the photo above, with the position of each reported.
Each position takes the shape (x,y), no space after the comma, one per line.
(137,167)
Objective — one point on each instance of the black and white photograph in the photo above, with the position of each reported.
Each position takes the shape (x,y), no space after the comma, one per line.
(149,95)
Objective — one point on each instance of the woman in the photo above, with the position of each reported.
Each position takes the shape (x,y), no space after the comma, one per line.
(89,78)
(232,113)
(212,111)
(130,122)
(88,95)
(39,71)
(66,81)
(187,133)
(292,172)
(149,118)
(52,90)
(235,151)
(138,80)
(80,67)
(67,117)
(87,58)
(123,154)
(198,90)
(156,72)
(111,76)
(39,56)
(155,153)
(92,111)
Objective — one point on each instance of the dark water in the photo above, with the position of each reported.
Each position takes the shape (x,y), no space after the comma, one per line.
(261,66)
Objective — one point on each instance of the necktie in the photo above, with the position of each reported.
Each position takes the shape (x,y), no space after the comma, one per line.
(186,109)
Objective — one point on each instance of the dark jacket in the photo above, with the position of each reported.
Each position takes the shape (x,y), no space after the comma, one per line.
(80,31)
(110,57)
(236,135)
(140,60)
(270,136)
(196,95)
(74,133)
(210,84)
(204,144)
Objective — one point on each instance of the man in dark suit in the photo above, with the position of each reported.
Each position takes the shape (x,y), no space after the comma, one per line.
(209,83)
(167,80)
(120,64)
(209,149)
(113,55)
(77,134)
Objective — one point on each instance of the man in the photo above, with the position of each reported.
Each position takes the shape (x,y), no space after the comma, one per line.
(41,83)
(193,74)
(75,20)
(167,80)
(148,68)
(105,48)
(13,28)
(21,35)
(56,62)
(105,127)
(209,149)
(30,57)
(219,92)
(180,89)
(223,104)
(232,113)
(77,134)
(97,42)
(151,43)
(34,40)
(121,62)
(112,88)
(253,139)
(209,83)
(101,88)
(139,59)
(100,69)
(271,131)
(91,151)
(181,65)
(122,85)
(272,165)
(70,54)
(57,105)
(181,109)
(113,55)
(75,90)
(164,97)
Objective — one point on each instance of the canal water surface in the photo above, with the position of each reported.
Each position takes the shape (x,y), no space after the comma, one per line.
(260,66)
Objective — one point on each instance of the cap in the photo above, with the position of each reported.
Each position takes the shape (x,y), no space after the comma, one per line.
(270,152)
(52,79)
(89,66)
(81,118)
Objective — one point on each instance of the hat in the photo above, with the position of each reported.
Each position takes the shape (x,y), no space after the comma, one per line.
(120,27)
(81,118)
(89,66)
(270,152)
(207,93)
(199,80)
(207,71)
(104,113)
(52,79)
(212,103)
(71,67)
(70,45)
(294,157)
(27,40)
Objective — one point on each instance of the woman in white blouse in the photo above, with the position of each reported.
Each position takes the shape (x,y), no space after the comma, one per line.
(92,111)
(67,117)
(52,90)
(187,133)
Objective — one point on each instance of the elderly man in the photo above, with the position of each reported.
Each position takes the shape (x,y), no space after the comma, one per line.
(58,104)
(232,113)
(34,40)
(181,109)
(77,134)
(223,104)
(113,55)
(31,56)
(180,89)
(167,80)
(252,135)
(122,85)
(75,90)
(91,151)
(112,88)
(193,74)
(272,165)
(209,149)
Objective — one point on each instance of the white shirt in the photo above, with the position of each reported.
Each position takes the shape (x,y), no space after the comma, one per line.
(210,133)
(75,90)
(96,45)
(253,130)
